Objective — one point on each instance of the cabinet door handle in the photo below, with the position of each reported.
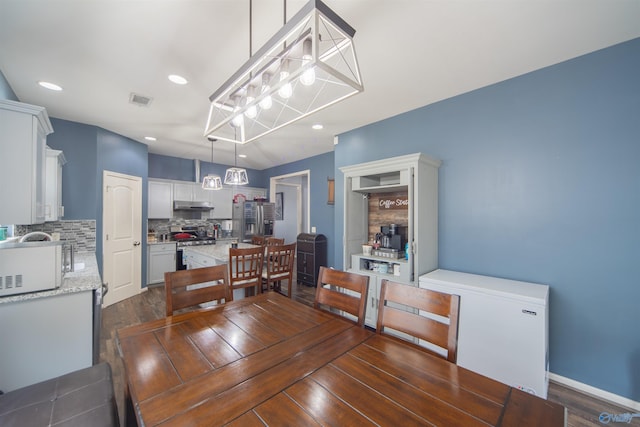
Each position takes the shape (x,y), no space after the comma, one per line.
(136,243)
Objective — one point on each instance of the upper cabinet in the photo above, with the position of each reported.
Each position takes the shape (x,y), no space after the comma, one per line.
(190,192)
(163,192)
(53,209)
(22,143)
(160,201)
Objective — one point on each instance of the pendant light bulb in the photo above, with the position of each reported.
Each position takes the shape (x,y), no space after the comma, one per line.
(252,111)
(266,102)
(237,120)
(309,76)
(285,91)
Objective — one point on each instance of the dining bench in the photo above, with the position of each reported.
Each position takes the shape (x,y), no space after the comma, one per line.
(81,398)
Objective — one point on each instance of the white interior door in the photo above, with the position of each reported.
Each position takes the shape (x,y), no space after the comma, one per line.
(121,235)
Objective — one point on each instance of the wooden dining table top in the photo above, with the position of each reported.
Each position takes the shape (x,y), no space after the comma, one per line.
(268,360)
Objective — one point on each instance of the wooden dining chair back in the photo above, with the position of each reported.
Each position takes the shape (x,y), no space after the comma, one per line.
(187,288)
(279,267)
(258,240)
(433,317)
(273,241)
(245,268)
(341,291)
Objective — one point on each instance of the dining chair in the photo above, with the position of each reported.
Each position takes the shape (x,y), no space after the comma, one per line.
(258,240)
(187,288)
(245,269)
(272,241)
(434,319)
(279,267)
(340,291)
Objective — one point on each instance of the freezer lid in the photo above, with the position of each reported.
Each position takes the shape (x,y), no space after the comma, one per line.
(506,288)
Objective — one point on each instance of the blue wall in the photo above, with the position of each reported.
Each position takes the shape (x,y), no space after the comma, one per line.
(5,90)
(540,181)
(79,177)
(322,215)
(166,167)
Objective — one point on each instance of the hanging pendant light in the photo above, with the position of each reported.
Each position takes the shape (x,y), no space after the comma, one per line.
(236,175)
(308,65)
(212,182)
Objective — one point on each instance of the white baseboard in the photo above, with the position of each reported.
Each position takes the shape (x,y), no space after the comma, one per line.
(599,393)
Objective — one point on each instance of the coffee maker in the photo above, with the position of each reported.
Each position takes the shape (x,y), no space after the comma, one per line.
(394,236)
(392,239)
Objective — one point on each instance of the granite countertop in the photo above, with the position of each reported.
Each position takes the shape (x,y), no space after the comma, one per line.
(85,278)
(219,251)
(158,242)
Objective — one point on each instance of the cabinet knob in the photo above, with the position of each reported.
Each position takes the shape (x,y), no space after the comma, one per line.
(136,243)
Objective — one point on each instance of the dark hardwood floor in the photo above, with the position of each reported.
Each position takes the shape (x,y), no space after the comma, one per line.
(583,409)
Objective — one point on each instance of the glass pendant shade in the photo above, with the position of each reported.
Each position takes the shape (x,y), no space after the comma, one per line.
(308,65)
(212,182)
(236,176)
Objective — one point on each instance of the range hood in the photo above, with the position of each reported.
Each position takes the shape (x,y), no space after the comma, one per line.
(185,205)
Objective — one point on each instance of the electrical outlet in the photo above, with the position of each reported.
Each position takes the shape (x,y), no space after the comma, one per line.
(313,230)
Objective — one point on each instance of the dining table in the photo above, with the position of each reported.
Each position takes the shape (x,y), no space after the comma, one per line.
(269,360)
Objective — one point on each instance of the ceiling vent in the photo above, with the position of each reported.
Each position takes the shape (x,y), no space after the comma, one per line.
(140,100)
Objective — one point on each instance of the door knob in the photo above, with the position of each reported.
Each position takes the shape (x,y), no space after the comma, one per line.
(136,243)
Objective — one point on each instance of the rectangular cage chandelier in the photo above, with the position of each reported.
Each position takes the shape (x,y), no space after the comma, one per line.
(308,65)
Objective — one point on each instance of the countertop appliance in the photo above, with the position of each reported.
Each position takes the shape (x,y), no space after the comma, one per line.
(502,329)
(254,218)
(30,267)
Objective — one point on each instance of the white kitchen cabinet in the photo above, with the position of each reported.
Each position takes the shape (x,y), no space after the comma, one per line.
(162,258)
(222,202)
(502,327)
(160,200)
(53,209)
(183,191)
(43,338)
(22,143)
(362,264)
(190,191)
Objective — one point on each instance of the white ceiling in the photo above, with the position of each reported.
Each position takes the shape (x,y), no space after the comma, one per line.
(411,53)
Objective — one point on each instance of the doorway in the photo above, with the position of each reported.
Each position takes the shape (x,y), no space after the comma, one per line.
(121,236)
(295,202)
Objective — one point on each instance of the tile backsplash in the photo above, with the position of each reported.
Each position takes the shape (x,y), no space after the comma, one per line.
(81,232)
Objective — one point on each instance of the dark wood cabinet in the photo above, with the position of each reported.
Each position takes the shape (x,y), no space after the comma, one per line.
(311,255)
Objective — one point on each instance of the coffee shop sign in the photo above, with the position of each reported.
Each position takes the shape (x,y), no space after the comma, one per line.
(397,203)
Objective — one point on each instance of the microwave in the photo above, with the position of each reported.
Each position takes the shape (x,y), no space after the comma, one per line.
(30,267)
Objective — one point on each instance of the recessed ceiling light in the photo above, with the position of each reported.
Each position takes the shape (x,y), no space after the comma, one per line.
(317,126)
(150,138)
(50,86)
(243,156)
(179,80)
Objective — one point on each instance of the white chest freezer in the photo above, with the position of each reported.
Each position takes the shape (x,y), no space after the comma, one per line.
(503,327)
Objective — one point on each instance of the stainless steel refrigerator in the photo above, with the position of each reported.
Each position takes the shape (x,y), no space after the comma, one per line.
(253,219)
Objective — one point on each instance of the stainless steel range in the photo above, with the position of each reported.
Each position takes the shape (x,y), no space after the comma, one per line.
(189,236)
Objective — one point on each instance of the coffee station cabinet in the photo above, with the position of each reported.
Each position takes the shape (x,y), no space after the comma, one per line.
(395,196)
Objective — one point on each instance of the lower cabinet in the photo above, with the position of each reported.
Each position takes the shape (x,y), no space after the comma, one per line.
(45,338)
(162,258)
(394,269)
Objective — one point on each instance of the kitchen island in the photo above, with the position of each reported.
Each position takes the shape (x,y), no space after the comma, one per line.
(51,333)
